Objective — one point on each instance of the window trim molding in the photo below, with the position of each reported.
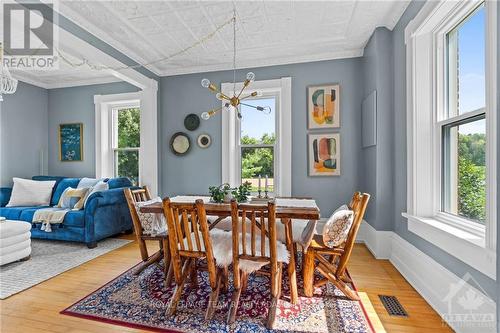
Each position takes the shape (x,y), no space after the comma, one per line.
(422,45)
(283,156)
(104,156)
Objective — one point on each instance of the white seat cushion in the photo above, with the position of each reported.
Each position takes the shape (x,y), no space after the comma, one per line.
(15,247)
(12,228)
(14,256)
(222,244)
(8,241)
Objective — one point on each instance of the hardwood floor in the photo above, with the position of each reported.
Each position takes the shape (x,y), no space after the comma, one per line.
(37,309)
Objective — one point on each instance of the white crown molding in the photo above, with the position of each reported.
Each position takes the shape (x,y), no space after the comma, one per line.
(76,83)
(267,62)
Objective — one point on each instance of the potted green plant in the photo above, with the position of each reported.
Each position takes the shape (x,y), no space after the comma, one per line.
(220,194)
(242,192)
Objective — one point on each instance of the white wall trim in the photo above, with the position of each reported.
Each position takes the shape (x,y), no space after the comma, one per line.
(22,76)
(430,279)
(230,157)
(148,160)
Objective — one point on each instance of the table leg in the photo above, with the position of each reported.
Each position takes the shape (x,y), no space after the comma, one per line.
(292,273)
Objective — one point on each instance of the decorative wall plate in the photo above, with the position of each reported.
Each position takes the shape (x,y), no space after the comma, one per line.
(180,143)
(204,140)
(192,122)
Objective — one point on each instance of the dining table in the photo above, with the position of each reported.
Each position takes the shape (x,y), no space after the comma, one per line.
(289,210)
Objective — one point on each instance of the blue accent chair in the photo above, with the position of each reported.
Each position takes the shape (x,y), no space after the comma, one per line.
(105,214)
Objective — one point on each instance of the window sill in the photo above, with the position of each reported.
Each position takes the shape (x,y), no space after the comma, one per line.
(466,246)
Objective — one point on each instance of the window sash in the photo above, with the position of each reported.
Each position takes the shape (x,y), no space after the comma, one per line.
(274,146)
(115,158)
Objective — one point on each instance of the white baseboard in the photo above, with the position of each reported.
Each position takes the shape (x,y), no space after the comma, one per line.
(442,289)
(378,242)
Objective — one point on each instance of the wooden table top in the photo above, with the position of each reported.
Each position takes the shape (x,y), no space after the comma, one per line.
(224,209)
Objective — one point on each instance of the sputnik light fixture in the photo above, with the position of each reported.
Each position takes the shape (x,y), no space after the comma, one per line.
(231,104)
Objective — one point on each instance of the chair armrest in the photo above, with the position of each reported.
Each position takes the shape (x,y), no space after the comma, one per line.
(5,193)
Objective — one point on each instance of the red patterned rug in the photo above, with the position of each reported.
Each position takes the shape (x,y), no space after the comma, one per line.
(141,302)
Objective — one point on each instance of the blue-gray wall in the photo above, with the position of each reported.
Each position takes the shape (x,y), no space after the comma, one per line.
(23,133)
(498,170)
(400,164)
(76,105)
(376,167)
(199,169)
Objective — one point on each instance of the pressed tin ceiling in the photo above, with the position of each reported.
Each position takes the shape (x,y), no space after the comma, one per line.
(268,32)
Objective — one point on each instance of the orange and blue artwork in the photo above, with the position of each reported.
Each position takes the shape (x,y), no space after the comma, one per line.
(324,154)
(323,106)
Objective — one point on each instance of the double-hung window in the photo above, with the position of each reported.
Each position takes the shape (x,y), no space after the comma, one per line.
(452,59)
(126,141)
(259,144)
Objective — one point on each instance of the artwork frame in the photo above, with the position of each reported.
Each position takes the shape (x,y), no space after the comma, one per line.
(317,147)
(317,116)
(71,142)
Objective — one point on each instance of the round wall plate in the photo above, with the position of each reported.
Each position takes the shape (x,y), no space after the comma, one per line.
(180,143)
(204,140)
(192,122)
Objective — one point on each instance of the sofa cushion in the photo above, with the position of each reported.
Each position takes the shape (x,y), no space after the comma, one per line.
(12,213)
(119,182)
(63,184)
(75,218)
(27,213)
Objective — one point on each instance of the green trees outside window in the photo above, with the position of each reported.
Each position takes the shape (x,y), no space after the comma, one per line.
(127,150)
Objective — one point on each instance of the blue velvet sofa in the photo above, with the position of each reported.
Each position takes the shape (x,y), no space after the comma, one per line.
(105,214)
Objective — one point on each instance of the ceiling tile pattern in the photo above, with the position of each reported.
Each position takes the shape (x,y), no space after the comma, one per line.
(268,32)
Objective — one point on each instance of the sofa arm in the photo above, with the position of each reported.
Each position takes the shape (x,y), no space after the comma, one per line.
(5,193)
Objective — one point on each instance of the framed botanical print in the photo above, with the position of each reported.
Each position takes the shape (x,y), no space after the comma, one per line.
(323,106)
(71,142)
(324,154)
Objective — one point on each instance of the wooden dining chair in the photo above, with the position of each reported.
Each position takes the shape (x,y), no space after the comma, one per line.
(253,248)
(189,241)
(332,261)
(141,195)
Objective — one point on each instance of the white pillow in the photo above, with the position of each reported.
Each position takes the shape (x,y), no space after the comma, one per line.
(152,223)
(27,192)
(99,187)
(87,182)
(337,227)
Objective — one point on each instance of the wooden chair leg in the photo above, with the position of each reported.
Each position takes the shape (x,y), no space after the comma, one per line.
(308,272)
(351,294)
(244,281)
(193,278)
(143,248)
(280,279)
(214,297)
(292,272)
(275,291)
(178,289)
(170,275)
(154,258)
(166,255)
(233,306)
(225,279)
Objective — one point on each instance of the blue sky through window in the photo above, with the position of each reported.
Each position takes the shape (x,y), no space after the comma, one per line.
(255,123)
(471,68)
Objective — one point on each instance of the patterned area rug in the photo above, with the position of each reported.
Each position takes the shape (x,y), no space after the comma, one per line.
(141,301)
(48,259)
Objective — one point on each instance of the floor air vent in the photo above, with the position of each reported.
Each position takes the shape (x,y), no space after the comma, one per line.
(392,305)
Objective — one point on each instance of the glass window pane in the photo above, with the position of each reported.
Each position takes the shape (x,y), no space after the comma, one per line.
(127,165)
(255,162)
(129,126)
(258,126)
(466,64)
(465,170)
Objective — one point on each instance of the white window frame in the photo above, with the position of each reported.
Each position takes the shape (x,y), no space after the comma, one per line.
(148,155)
(426,103)
(231,149)
(114,109)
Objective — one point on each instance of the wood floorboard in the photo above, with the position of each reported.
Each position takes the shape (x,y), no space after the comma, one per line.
(37,309)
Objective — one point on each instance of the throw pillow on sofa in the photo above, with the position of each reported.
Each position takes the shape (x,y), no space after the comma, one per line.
(27,192)
(102,185)
(73,198)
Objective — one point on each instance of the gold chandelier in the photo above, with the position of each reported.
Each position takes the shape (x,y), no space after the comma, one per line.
(232,104)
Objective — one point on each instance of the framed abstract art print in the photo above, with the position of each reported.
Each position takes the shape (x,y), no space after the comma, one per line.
(323,106)
(71,142)
(324,154)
